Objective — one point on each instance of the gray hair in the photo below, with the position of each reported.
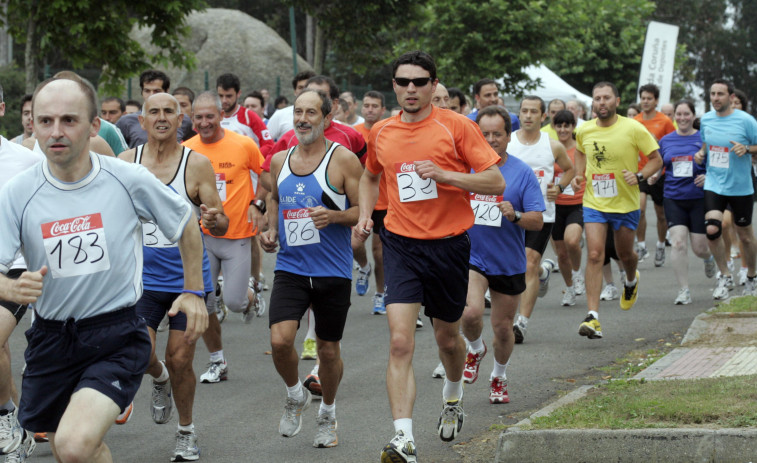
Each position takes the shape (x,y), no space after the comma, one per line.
(208,95)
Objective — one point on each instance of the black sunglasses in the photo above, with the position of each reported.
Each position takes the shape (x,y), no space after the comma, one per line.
(418,81)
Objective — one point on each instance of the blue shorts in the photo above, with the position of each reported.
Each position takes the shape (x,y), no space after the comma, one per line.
(615,219)
(432,272)
(108,353)
(154,305)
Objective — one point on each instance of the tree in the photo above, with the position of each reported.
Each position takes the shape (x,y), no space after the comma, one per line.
(96,33)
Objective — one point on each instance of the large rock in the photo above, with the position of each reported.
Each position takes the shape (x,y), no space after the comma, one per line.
(230,41)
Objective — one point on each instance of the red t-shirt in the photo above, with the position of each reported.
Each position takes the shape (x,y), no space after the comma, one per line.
(340,133)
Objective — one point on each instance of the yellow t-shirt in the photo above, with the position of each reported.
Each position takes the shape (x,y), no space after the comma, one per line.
(549,130)
(610,150)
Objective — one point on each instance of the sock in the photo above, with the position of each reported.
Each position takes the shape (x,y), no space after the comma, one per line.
(499,370)
(296,392)
(367,268)
(523,319)
(543,274)
(163,374)
(330,410)
(406,426)
(379,294)
(9,405)
(594,313)
(631,283)
(477,345)
(575,273)
(452,390)
(660,244)
(311,325)
(314,371)
(216,357)
(642,245)
(188,429)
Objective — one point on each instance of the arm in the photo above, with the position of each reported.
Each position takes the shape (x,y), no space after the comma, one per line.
(269,238)
(350,171)
(531,220)
(100,146)
(487,182)
(653,165)
(562,160)
(580,168)
(368,191)
(24,290)
(128,155)
(202,175)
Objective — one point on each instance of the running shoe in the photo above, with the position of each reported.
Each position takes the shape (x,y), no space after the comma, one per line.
(546,267)
(659,257)
(519,330)
(261,280)
(186,447)
(487,300)
(221,310)
(710,267)
(729,282)
(308,349)
(217,372)
(735,253)
(313,384)
(124,417)
(23,451)
(742,276)
(41,437)
(163,324)
(590,328)
(609,293)
(378,304)
(721,290)
(498,391)
(684,297)
(418,323)
(11,433)
(399,450)
(325,434)
(643,254)
(579,285)
(730,265)
(161,404)
(363,281)
(628,298)
(439,371)
(291,420)
(472,364)
(569,295)
(248,314)
(451,420)
(749,287)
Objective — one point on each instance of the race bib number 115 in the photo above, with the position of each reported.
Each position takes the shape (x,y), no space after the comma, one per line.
(76,246)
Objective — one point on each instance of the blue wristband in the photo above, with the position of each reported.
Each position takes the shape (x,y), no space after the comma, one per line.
(196,293)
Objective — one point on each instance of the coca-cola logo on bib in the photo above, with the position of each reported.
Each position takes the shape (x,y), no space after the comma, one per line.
(486,198)
(603,176)
(73,225)
(403,167)
(294,214)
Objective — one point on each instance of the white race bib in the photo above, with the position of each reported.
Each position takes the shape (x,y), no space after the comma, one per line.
(76,246)
(154,238)
(410,186)
(719,157)
(683,166)
(604,185)
(485,209)
(568,189)
(221,185)
(299,228)
(539,176)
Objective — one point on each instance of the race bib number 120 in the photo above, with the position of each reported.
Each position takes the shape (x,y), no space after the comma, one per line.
(486,210)
(76,246)
(410,186)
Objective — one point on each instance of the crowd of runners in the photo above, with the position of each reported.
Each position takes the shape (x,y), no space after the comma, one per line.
(122,224)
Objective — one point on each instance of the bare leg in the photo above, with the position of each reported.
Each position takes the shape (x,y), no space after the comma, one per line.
(596,234)
(400,378)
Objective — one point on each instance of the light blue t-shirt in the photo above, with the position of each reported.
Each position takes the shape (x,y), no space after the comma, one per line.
(727,173)
(88,233)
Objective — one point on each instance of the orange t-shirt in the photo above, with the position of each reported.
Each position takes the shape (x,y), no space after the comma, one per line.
(424,209)
(232,157)
(569,197)
(659,126)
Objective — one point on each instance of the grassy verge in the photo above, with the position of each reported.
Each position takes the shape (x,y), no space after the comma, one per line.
(628,404)
(738,304)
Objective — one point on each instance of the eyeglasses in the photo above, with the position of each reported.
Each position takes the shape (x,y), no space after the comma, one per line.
(418,81)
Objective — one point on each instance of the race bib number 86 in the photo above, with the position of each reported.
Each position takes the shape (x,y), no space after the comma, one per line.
(410,186)
(299,228)
(76,246)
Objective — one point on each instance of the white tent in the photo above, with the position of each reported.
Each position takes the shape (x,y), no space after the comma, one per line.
(551,87)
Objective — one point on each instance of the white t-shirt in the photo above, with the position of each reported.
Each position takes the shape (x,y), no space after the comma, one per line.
(281,122)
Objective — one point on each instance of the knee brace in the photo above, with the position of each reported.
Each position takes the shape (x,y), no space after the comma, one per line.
(716,223)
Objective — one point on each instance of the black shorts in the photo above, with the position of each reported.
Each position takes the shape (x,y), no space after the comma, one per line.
(655,191)
(16,309)
(378,217)
(108,353)
(741,206)
(153,306)
(686,212)
(564,216)
(432,272)
(329,296)
(610,252)
(537,240)
(512,285)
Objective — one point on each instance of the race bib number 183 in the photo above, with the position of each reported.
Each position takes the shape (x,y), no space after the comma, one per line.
(76,246)
(410,186)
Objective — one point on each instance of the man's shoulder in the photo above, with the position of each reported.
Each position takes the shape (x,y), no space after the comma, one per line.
(128,120)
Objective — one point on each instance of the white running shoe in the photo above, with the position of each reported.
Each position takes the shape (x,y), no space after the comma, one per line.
(742,276)
(659,256)
(451,420)
(217,372)
(643,254)
(11,433)
(291,420)
(579,285)
(683,298)
(609,293)
(325,434)
(399,450)
(24,450)
(186,447)
(439,371)
(569,296)
(519,329)
(546,267)
(721,290)
(749,287)
(161,404)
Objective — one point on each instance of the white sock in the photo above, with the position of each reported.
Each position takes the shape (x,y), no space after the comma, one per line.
(311,325)
(642,244)
(163,374)
(216,357)
(499,370)
(660,245)
(367,268)
(594,313)
(330,410)
(452,390)
(9,405)
(543,274)
(296,392)
(188,429)
(576,273)
(314,371)
(523,319)
(477,345)
(406,426)
(630,283)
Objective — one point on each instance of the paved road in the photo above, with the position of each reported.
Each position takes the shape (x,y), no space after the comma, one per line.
(237,421)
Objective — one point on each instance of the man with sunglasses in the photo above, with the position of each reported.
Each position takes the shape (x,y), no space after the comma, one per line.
(426,156)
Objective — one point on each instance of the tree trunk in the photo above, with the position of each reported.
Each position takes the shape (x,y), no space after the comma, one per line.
(309,38)
(320,49)
(30,53)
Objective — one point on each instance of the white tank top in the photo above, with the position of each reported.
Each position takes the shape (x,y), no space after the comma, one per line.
(540,159)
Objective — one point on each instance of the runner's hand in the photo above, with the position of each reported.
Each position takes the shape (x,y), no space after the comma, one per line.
(28,287)
(362,230)
(320,217)
(196,311)
(269,240)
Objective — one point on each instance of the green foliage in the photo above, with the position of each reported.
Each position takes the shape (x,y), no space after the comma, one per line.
(12,80)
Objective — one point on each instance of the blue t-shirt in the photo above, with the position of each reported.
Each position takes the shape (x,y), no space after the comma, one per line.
(727,173)
(515,122)
(498,246)
(680,168)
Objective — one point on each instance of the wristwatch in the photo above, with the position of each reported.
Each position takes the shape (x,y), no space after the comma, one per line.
(517,217)
(639,177)
(260,204)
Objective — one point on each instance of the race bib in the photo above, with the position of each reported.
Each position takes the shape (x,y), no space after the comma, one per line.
(410,186)
(568,189)
(683,166)
(154,238)
(604,185)
(76,246)
(221,185)
(299,228)
(539,176)
(719,156)
(485,209)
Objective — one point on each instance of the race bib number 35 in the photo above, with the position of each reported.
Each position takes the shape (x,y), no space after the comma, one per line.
(410,186)
(604,185)
(299,228)
(485,209)
(719,157)
(76,246)
(221,185)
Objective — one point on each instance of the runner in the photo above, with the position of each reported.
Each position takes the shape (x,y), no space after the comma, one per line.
(26,119)
(553,108)
(239,119)
(280,121)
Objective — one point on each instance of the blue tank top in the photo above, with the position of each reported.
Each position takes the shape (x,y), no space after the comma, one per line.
(304,249)
(163,270)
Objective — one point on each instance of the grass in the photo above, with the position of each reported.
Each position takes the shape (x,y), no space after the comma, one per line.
(738,304)
(633,362)
(729,402)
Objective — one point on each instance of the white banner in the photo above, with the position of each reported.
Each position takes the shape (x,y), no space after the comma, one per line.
(659,58)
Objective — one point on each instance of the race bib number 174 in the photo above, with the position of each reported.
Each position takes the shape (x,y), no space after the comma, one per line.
(76,246)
